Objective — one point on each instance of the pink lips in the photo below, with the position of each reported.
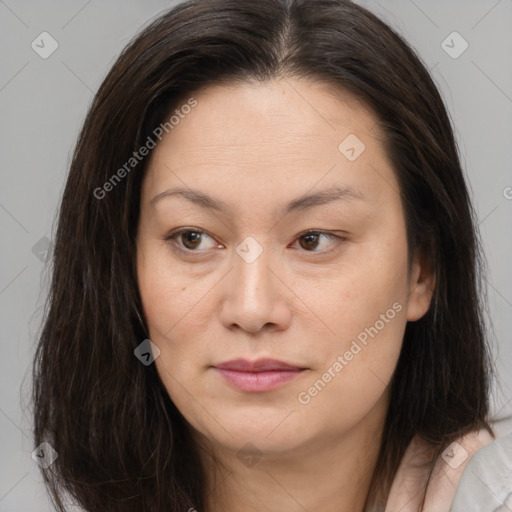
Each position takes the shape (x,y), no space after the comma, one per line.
(257,376)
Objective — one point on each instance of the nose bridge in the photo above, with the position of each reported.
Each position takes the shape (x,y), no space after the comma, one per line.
(252,273)
(254,295)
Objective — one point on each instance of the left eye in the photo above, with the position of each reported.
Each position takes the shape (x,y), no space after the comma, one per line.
(311,238)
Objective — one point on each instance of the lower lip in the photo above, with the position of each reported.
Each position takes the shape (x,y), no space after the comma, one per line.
(258,381)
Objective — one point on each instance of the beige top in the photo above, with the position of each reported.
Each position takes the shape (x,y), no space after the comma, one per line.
(406,491)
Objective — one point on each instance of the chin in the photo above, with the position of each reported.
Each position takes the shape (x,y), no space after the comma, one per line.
(269,433)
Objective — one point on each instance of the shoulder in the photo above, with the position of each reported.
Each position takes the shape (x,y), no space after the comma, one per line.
(486,483)
(407,489)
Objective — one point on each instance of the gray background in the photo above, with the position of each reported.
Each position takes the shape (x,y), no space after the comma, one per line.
(43,103)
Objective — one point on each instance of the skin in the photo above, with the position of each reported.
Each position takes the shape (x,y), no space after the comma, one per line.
(256,147)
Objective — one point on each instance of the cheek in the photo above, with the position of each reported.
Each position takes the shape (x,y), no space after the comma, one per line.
(354,296)
(178,313)
(165,306)
(167,295)
(357,367)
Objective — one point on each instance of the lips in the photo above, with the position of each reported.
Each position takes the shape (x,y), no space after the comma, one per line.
(260,365)
(257,376)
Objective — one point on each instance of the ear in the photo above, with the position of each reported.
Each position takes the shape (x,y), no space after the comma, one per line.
(422,286)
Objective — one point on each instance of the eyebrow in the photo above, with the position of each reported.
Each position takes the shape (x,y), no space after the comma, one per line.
(306,202)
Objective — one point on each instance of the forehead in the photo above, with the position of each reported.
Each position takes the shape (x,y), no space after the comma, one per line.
(277,138)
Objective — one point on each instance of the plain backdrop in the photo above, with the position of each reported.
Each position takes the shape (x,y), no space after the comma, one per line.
(43,102)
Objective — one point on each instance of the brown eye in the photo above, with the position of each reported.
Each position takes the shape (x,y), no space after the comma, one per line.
(189,240)
(309,241)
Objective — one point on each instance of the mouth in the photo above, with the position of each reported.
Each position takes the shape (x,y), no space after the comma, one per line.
(257,376)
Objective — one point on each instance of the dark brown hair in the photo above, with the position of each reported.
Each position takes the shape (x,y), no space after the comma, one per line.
(122,444)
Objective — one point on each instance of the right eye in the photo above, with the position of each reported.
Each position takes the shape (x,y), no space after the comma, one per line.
(188,240)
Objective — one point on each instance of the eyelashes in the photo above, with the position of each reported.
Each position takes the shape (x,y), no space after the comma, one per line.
(175,239)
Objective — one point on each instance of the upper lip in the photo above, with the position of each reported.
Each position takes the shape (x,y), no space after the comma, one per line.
(259,365)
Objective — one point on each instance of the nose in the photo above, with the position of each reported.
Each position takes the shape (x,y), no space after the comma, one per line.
(255,297)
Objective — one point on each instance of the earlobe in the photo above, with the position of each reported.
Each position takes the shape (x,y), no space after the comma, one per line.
(421,288)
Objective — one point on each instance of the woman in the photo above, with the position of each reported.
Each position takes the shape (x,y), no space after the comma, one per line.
(266,275)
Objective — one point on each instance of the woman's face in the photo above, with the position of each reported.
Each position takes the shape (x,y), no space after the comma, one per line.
(260,165)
